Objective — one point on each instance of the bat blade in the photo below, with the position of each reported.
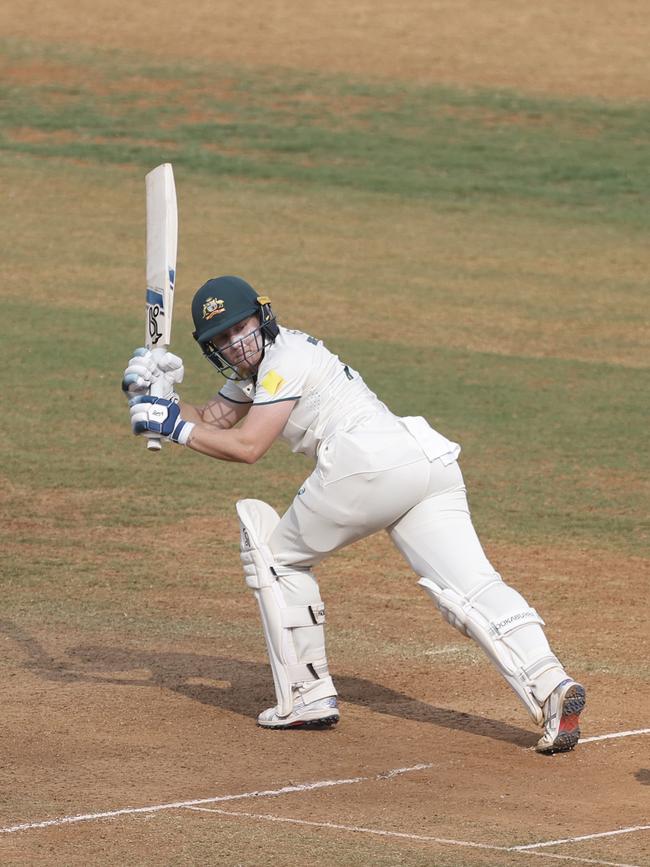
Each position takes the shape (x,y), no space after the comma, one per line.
(162,244)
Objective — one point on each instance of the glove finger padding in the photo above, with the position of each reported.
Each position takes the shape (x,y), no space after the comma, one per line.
(169,364)
(137,378)
(154,371)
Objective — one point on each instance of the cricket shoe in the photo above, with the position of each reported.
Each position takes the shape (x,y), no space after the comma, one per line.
(319,714)
(562,711)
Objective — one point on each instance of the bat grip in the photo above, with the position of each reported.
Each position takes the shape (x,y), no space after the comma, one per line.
(154,444)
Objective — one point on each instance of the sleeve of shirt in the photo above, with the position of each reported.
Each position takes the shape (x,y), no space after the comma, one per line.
(237,392)
(282,376)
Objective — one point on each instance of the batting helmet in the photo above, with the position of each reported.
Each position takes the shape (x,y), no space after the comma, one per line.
(221,303)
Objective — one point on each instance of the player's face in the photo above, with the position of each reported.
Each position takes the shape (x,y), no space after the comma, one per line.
(242,345)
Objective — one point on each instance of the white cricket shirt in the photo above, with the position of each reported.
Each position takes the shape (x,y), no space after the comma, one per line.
(330,396)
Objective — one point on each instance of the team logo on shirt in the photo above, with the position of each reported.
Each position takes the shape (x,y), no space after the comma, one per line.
(212,307)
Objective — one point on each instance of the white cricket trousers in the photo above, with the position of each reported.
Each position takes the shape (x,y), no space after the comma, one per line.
(371,480)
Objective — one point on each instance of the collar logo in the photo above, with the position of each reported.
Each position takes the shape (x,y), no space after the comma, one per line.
(213,307)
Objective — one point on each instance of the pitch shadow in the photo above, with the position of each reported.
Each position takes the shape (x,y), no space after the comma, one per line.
(238,685)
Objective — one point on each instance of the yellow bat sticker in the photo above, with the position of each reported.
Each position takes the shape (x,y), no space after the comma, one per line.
(272,382)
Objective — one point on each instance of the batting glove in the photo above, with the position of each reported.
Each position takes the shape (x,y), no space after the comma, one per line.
(153,371)
(155,415)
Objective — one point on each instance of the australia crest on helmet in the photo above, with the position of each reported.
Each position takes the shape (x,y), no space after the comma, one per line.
(213,307)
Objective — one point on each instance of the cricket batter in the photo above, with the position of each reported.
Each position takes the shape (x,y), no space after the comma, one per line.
(373,471)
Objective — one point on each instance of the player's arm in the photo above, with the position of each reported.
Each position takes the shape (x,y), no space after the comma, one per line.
(166,370)
(220,413)
(244,444)
(248,442)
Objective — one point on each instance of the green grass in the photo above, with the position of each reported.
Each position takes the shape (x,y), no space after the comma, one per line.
(497,149)
(553,447)
(540,436)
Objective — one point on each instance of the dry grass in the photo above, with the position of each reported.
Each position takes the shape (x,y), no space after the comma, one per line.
(503,285)
(589,47)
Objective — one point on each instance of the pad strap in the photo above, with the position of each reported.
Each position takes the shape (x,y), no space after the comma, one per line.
(303,615)
(293,632)
(497,637)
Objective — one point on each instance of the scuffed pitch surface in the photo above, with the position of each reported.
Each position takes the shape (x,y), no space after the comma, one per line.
(143,712)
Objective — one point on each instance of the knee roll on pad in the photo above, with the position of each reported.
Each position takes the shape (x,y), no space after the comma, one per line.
(496,634)
(294,632)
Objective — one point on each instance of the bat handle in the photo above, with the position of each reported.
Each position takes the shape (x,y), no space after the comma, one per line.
(154,444)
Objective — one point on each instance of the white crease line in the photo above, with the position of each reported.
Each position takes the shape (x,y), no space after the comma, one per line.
(614,735)
(418,838)
(285,790)
(359,830)
(583,837)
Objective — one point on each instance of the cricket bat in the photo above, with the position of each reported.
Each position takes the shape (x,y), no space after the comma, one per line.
(162,244)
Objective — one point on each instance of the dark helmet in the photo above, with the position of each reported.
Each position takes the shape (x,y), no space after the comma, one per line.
(221,303)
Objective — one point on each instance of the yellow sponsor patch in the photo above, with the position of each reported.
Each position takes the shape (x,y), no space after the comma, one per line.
(272,382)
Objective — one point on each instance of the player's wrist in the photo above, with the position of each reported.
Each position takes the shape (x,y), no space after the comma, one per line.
(182,432)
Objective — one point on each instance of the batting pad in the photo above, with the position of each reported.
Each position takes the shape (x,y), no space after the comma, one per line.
(292,611)
(494,628)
